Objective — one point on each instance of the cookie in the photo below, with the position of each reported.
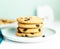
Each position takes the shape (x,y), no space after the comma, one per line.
(26,32)
(29,30)
(29,35)
(10,21)
(30,19)
(6,21)
(30,25)
(1,22)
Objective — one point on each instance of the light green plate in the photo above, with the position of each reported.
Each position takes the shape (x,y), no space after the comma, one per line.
(10,33)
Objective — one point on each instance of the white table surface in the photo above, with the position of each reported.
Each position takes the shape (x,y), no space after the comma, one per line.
(52,43)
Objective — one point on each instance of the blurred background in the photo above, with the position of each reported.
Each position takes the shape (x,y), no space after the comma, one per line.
(14,8)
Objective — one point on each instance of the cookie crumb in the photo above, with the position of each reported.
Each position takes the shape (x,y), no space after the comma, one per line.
(43,36)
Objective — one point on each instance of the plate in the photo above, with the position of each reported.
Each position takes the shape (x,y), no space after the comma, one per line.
(10,33)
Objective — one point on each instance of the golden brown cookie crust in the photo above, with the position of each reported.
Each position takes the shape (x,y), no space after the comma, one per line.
(30,19)
(29,35)
(30,25)
(6,21)
(29,30)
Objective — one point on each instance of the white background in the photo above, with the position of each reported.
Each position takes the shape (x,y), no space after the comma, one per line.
(14,8)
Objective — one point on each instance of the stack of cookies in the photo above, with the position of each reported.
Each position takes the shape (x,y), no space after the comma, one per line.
(29,26)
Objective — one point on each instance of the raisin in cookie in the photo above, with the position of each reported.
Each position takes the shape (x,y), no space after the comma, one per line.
(30,19)
(30,25)
(29,35)
(29,30)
